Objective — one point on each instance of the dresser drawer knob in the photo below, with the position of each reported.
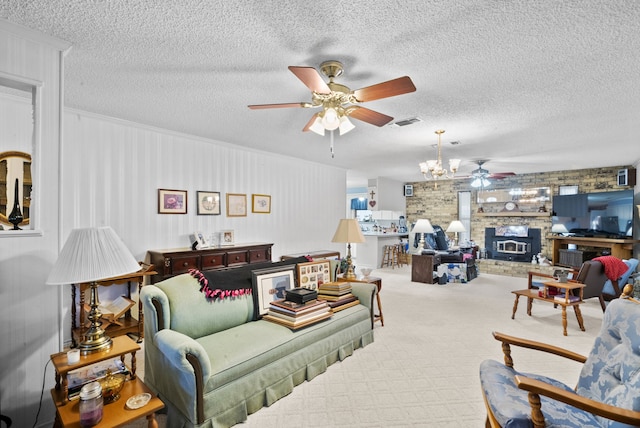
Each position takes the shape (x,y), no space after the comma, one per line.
(237,257)
(185,264)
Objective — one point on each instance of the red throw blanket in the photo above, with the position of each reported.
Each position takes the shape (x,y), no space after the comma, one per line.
(614,268)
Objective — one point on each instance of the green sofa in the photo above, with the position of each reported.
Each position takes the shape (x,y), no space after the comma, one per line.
(213,365)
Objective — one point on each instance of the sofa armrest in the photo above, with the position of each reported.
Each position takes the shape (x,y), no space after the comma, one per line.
(186,369)
(365,292)
(157,313)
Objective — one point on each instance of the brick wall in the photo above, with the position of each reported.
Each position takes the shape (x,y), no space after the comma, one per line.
(439,204)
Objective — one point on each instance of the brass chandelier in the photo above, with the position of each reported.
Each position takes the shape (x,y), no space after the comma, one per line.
(433,169)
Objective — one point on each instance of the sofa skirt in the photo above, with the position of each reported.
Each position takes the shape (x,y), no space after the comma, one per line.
(273,383)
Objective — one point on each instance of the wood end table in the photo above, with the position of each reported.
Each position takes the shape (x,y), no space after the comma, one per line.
(534,294)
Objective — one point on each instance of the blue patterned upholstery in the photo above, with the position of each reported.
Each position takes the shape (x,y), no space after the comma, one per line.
(610,375)
(608,286)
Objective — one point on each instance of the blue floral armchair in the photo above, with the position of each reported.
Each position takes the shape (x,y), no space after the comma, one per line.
(607,393)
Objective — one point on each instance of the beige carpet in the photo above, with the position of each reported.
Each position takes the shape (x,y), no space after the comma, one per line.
(422,369)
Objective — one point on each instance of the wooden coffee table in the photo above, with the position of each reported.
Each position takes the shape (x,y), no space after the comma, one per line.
(533,294)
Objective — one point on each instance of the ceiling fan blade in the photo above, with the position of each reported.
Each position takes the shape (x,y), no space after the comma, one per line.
(369,116)
(390,88)
(501,175)
(311,78)
(308,125)
(283,105)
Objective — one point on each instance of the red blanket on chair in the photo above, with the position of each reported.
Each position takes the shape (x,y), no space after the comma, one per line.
(614,268)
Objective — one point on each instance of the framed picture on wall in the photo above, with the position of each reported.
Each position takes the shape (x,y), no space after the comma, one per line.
(208,203)
(236,205)
(260,204)
(172,201)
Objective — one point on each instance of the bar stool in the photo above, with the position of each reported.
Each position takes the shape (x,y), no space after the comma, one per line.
(390,256)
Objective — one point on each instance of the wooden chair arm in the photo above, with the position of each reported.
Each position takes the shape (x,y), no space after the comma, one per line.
(538,346)
(608,411)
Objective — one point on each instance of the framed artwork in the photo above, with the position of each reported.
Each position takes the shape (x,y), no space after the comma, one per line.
(312,274)
(208,203)
(172,201)
(269,285)
(568,190)
(226,237)
(260,204)
(236,205)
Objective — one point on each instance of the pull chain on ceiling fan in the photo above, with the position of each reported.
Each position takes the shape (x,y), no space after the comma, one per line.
(337,102)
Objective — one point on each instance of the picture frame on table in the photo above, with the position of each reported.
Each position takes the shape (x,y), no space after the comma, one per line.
(269,285)
(261,204)
(208,202)
(201,241)
(172,201)
(312,274)
(236,205)
(227,237)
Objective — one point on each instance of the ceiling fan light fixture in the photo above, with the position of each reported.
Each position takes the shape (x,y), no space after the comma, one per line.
(330,119)
(345,125)
(480,182)
(317,127)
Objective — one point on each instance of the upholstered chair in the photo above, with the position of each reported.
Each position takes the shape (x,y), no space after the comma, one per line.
(607,391)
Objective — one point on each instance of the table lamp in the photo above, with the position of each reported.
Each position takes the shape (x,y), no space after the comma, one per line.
(89,255)
(422,226)
(559,229)
(348,231)
(455,227)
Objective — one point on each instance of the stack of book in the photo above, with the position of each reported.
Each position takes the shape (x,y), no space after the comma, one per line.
(338,295)
(77,378)
(561,298)
(298,314)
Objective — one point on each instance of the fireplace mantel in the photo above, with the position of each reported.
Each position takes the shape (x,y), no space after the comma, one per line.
(515,214)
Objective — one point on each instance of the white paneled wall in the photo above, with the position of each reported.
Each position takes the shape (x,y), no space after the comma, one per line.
(112,171)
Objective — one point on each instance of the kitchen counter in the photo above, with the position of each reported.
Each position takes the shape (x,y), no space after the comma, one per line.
(369,253)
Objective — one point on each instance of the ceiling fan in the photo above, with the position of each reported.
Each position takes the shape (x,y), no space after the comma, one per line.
(338,102)
(480,176)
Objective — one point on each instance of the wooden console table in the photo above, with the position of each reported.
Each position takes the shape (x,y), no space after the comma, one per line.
(620,248)
(177,261)
(130,324)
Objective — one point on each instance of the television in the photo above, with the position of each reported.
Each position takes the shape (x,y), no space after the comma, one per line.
(600,214)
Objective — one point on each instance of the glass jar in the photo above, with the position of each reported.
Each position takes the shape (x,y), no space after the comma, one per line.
(91,404)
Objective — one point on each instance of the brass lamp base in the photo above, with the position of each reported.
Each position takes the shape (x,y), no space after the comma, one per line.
(95,344)
(349,274)
(95,339)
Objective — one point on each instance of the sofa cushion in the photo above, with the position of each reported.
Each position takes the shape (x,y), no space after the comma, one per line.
(238,351)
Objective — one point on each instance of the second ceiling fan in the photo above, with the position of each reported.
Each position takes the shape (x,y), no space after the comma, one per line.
(338,103)
(480,176)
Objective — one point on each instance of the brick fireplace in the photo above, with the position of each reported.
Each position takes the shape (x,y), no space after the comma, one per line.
(512,243)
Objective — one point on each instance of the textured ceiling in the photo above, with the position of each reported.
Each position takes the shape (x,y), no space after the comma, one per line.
(529,86)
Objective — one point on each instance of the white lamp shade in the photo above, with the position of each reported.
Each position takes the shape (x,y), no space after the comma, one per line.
(559,228)
(330,120)
(423,226)
(456,226)
(348,231)
(454,164)
(317,127)
(345,125)
(92,254)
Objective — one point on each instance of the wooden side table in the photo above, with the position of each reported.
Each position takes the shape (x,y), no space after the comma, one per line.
(115,414)
(422,267)
(533,294)
(371,280)
(130,324)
